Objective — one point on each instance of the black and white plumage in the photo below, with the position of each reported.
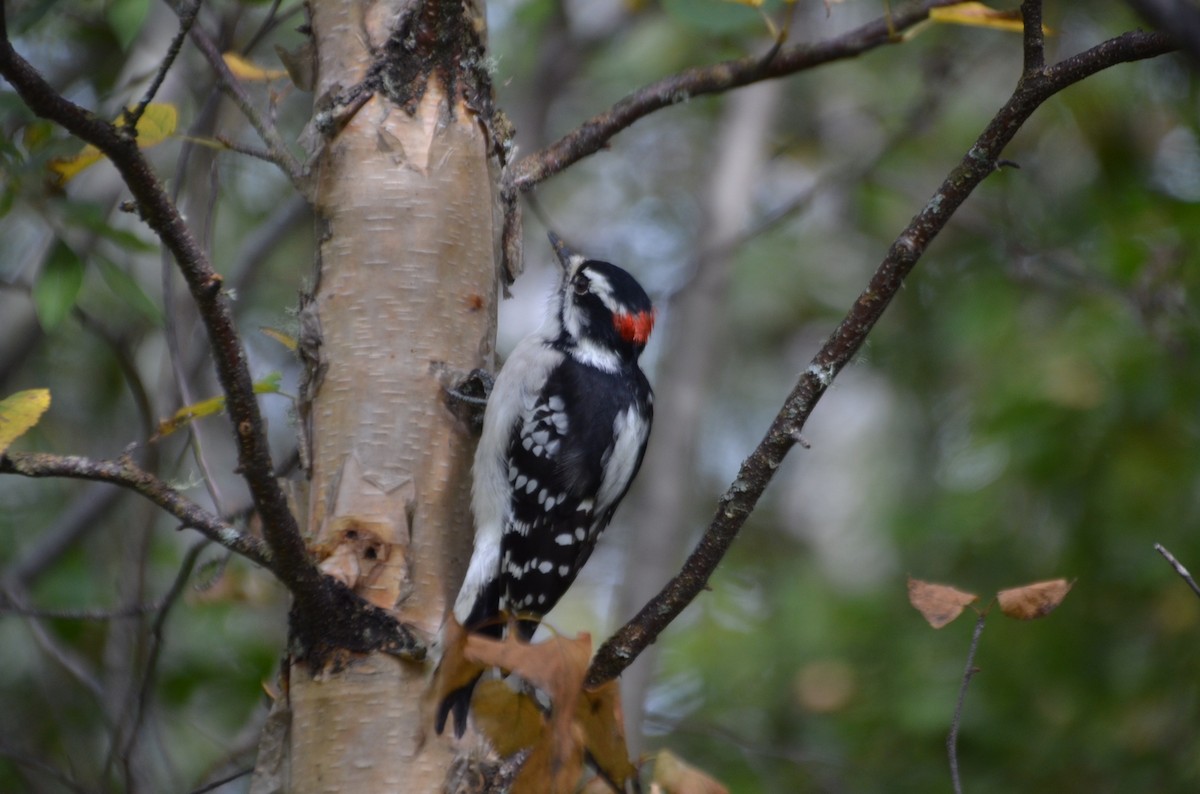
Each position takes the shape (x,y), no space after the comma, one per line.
(564,434)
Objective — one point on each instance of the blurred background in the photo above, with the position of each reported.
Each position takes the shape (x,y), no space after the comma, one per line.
(1028,408)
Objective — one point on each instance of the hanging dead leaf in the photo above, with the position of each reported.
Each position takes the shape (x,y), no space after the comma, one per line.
(19,412)
(557,667)
(938,603)
(676,776)
(1033,600)
(156,124)
(454,671)
(556,763)
(510,720)
(599,713)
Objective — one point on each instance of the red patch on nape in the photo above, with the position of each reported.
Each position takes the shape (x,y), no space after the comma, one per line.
(634,327)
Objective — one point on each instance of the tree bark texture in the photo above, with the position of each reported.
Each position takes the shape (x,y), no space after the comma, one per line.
(404,189)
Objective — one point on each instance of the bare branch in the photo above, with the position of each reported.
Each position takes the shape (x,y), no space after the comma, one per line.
(1034,38)
(968,674)
(1178,566)
(291,561)
(187,16)
(717,78)
(277,150)
(1179,19)
(756,472)
(127,475)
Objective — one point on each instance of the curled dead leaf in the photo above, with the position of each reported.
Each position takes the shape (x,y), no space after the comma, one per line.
(1033,600)
(511,720)
(600,715)
(938,603)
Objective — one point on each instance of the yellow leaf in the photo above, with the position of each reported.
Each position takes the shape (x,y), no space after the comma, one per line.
(286,340)
(980,16)
(157,124)
(19,412)
(938,603)
(243,69)
(213,405)
(751,3)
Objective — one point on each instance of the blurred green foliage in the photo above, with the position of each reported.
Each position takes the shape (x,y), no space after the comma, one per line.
(1034,393)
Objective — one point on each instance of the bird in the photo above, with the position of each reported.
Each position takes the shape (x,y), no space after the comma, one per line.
(564,434)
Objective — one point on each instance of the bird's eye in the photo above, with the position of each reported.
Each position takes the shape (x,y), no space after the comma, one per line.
(581,284)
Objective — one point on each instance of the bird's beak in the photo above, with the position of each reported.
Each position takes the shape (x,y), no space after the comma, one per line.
(564,254)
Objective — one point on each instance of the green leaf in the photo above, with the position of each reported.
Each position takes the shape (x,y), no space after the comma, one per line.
(58,286)
(125,287)
(125,17)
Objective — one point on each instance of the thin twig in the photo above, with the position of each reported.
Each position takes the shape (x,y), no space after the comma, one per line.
(278,150)
(1178,566)
(134,611)
(215,784)
(288,554)
(50,770)
(968,674)
(187,16)
(594,134)
(127,475)
(140,696)
(756,472)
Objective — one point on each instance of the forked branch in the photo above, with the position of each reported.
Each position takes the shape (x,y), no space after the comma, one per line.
(1037,84)
(292,563)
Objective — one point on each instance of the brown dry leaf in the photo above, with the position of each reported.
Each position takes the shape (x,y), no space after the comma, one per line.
(454,671)
(510,720)
(599,713)
(676,776)
(556,763)
(1033,600)
(557,667)
(938,603)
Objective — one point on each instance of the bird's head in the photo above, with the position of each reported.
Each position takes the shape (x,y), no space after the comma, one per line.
(601,309)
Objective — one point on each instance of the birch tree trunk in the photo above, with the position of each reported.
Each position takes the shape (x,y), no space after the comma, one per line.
(403,303)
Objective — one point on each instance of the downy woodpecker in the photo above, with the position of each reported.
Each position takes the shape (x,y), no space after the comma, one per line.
(564,433)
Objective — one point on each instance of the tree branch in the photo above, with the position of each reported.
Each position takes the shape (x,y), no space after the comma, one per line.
(716,78)
(968,674)
(187,17)
(756,472)
(277,151)
(288,553)
(125,473)
(1178,566)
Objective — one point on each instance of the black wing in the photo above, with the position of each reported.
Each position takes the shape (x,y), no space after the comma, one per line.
(556,459)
